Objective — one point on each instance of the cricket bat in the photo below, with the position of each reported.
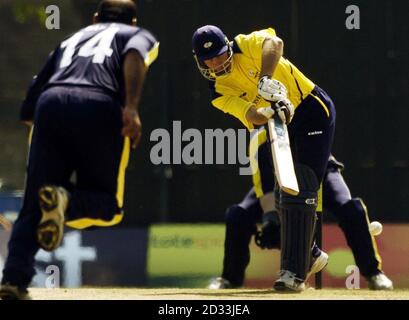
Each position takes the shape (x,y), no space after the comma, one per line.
(282,157)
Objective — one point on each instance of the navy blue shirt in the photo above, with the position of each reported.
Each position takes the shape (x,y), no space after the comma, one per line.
(93,58)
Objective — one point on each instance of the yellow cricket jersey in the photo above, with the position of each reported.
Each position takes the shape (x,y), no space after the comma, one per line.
(237,91)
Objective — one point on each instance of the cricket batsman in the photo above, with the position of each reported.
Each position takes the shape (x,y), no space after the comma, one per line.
(84,106)
(251,80)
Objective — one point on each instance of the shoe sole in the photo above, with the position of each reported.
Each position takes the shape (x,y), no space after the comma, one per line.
(319,264)
(50,229)
(281,286)
(380,287)
(7,295)
(12,294)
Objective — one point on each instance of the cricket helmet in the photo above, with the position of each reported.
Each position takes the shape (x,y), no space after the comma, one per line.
(209,42)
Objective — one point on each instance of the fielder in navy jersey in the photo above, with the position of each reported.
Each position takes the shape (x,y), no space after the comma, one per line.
(84,109)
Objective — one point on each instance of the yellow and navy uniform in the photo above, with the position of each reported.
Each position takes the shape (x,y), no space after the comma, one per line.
(236,92)
(76,104)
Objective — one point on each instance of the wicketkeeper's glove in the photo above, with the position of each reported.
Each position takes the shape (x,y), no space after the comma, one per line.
(269,235)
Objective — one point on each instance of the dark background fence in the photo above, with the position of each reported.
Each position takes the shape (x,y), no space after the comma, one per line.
(365,71)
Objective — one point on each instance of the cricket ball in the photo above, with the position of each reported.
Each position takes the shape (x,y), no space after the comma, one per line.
(375,228)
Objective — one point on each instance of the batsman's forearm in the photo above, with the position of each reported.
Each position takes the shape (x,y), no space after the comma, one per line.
(271,55)
(134,74)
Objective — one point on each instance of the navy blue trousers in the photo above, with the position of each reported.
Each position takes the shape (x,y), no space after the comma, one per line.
(76,130)
(312,131)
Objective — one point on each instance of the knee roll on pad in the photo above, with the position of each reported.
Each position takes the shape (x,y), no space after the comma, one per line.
(308,185)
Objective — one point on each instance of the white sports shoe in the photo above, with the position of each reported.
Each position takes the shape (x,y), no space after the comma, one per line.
(380,282)
(289,282)
(53,204)
(219,283)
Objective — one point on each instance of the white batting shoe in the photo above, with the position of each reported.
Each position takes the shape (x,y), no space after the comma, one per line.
(288,282)
(380,282)
(219,283)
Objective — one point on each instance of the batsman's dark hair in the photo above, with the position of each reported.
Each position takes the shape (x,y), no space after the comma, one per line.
(121,11)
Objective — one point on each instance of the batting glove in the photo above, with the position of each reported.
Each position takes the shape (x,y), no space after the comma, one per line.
(284,108)
(271,89)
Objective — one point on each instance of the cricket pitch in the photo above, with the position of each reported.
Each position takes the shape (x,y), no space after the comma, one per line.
(206,294)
